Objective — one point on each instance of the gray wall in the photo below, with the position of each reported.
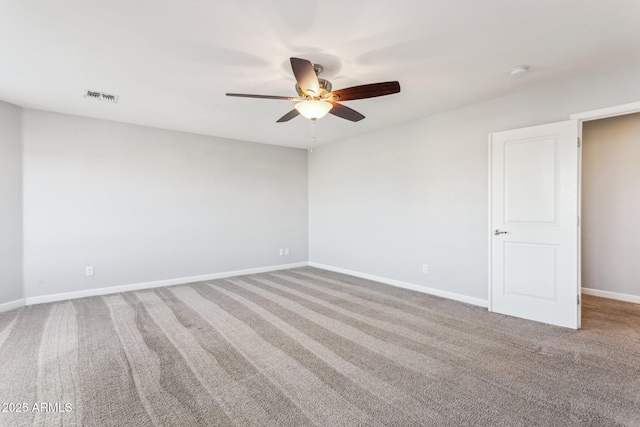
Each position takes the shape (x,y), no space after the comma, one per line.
(10,203)
(611,205)
(142,204)
(387,202)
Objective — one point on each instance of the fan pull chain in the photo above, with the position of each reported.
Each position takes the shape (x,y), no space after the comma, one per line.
(313,137)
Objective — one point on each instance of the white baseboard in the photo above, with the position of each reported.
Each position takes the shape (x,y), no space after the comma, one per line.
(611,295)
(155,284)
(431,291)
(11,305)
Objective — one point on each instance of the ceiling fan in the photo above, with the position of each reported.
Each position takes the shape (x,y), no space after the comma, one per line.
(315,98)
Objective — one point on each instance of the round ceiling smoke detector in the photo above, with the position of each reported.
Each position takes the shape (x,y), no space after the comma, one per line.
(519,71)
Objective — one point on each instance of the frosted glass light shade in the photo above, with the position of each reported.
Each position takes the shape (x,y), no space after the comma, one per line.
(313,109)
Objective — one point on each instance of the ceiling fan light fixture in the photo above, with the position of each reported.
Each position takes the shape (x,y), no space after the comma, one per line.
(313,109)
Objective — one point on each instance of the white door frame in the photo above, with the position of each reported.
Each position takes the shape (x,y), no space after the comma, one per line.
(602,113)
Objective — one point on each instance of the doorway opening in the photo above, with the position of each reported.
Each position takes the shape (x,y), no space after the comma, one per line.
(610,204)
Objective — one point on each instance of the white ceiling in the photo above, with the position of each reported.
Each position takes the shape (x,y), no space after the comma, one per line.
(171,62)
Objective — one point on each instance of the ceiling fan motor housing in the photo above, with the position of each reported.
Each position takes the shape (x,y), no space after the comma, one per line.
(325,87)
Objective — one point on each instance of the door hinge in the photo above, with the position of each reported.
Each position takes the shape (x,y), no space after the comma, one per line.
(578,220)
(578,141)
(578,299)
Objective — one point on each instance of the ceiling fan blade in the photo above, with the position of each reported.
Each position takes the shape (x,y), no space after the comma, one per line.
(290,115)
(345,112)
(366,91)
(245,95)
(305,76)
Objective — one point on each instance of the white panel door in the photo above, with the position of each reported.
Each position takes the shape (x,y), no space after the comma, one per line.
(534,223)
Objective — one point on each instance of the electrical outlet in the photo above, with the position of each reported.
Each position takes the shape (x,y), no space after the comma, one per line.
(286,251)
(89,270)
(425,268)
(281,251)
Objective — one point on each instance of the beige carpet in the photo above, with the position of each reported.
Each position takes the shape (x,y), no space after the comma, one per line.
(307,347)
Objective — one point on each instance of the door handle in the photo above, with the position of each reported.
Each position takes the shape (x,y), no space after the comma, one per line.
(499,232)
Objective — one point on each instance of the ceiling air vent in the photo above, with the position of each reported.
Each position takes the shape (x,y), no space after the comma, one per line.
(100,96)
